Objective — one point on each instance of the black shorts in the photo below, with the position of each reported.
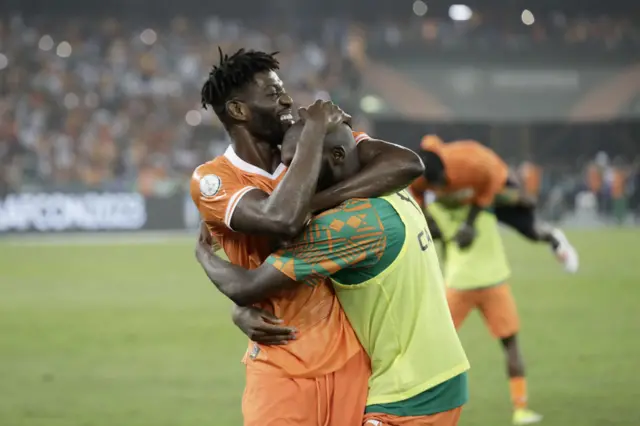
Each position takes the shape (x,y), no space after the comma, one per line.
(520,218)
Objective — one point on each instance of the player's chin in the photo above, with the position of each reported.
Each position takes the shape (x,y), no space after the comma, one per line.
(277,134)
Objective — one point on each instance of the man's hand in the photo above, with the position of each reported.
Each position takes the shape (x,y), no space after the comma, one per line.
(205,236)
(262,326)
(465,236)
(327,113)
(206,244)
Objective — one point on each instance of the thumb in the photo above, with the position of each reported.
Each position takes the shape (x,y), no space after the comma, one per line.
(269,317)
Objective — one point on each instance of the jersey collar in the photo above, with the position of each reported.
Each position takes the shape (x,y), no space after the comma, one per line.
(231,155)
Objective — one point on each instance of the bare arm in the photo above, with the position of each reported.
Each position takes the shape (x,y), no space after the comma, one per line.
(284,212)
(487,185)
(243,286)
(474,211)
(387,168)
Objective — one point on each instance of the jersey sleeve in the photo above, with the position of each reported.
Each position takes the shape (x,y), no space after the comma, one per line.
(216,192)
(350,236)
(360,136)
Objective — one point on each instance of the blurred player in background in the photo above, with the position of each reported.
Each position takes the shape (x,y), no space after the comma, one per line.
(384,267)
(530,176)
(248,200)
(468,172)
(476,278)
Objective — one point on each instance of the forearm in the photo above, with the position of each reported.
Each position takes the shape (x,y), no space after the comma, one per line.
(392,168)
(233,281)
(290,202)
(474,211)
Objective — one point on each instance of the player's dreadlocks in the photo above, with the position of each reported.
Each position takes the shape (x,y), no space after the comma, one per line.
(232,74)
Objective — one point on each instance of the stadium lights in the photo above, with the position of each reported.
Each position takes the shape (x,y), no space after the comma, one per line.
(64,49)
(71,101)
(45,43)
(91,100)
(527,17)
(148,37)
(371,104)
(460,12)
(193,118)
(420,8)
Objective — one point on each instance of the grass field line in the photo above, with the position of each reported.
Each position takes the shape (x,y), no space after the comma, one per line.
(99,238)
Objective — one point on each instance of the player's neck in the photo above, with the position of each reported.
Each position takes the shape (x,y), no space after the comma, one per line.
(254,151)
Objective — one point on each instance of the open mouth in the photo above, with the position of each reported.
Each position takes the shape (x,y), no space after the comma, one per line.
(286,118)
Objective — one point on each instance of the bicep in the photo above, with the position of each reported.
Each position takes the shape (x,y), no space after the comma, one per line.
(406,161)
(246,215)
(368,148)
(251,215)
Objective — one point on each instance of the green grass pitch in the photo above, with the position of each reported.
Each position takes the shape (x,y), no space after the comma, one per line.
(134,335)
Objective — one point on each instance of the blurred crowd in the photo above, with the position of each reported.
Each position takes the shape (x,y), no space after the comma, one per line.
(113,104)
(512,32)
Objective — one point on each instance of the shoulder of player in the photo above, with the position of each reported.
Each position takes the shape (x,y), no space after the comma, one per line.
(215,177)
(471,151)
(217,166)
(353,210)
(464,146)
(360,136)
(478,149)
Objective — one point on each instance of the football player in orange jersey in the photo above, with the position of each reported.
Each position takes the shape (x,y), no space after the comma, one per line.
(468,172)
(248,199)
(359,248)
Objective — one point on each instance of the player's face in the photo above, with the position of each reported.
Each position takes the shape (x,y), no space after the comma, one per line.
(340,158)
(270,113)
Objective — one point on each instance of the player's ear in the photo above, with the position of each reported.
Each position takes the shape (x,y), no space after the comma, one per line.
(338,155)
(237,110)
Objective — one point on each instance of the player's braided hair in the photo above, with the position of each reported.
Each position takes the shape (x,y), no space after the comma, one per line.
(233,73)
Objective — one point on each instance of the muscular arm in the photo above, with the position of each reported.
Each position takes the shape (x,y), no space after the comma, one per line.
(284,212)
(488,185)
(243,286)
(474,211)
(387,168)
(321,251)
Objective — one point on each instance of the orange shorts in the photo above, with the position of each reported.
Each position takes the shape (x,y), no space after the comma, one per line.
(496,304)
(336,399)
(446,418)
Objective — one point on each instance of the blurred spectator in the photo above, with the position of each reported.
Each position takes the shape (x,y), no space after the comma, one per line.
(111,104)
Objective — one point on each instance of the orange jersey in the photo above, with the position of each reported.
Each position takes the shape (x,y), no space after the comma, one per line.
(594,178)
(325,340)
(474,173)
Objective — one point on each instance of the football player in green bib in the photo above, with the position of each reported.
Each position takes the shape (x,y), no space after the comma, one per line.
(476,278)
(380,258)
